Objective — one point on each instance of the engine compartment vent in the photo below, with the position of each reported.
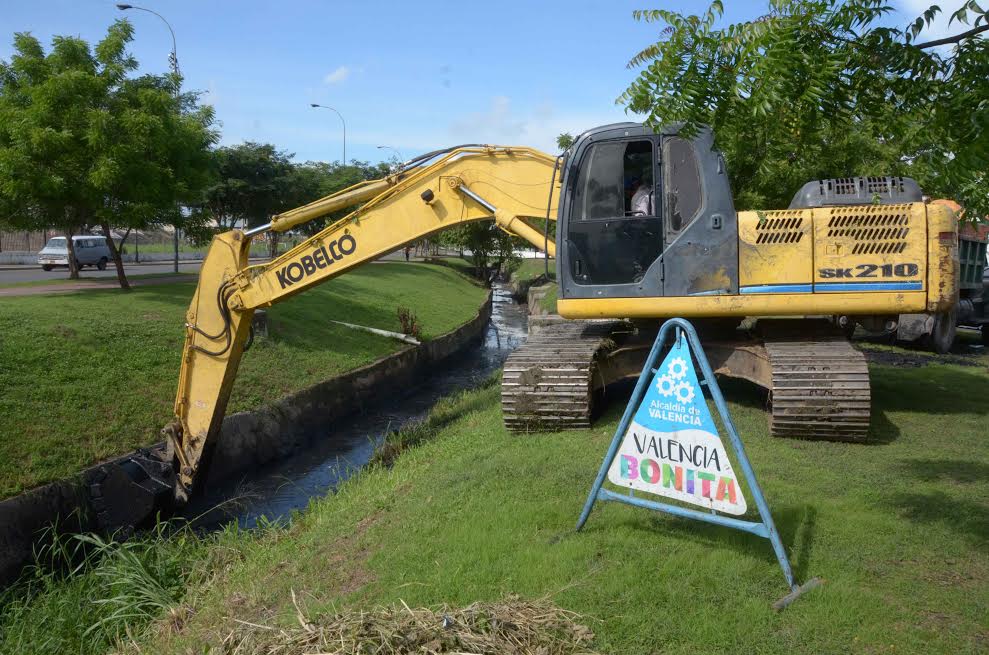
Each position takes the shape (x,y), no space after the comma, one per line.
(785,229)
(876,230)
(870,190)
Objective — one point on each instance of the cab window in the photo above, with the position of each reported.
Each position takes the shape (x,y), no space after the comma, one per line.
(616,181)
(683,184)
(614,233)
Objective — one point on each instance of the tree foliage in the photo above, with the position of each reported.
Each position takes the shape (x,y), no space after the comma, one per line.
(484,240)
(825,88)
(313,180)
(83,143)
(253,181)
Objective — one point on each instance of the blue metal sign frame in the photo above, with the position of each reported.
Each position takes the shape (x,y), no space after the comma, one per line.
(679,328)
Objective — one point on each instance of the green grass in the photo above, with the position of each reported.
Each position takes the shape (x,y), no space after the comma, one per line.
(110,281)
(459,264)
(257,249)
(90,375)
(529,269)
(898,528)
(548,302)
(86,593)
(148,248)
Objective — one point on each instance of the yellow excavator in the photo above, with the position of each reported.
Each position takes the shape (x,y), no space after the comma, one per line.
(646,229)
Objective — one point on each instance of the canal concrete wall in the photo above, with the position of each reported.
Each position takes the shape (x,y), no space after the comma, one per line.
(247,440)
(251,439)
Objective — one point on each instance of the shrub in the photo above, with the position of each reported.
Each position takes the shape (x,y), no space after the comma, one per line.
(410,323)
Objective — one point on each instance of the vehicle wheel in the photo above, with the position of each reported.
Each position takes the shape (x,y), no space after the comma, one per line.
(101,264)
(46,267)
(848,329)
(942,335)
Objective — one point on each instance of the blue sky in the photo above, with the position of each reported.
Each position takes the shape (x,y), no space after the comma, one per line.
(410,75)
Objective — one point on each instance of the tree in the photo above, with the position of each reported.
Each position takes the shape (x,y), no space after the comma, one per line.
(251,183)
(483,239)
(564,141)
(82,144)
(824,88)
(313,180)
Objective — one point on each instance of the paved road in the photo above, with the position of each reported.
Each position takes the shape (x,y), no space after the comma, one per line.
(90,278)
(12,274)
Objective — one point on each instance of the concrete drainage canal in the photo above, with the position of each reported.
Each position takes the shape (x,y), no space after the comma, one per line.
(272,492)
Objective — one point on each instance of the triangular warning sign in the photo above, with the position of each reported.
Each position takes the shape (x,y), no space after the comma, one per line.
(672,447)
(667,444)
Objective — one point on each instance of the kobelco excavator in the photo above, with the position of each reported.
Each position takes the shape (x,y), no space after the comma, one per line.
(646,230)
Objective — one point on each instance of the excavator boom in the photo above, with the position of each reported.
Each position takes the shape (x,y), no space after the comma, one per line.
(458,186)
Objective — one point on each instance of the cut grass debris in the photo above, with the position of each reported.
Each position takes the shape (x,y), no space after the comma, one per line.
(509,626)
(90,375)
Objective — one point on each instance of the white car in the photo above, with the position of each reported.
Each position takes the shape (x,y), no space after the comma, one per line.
(90,251)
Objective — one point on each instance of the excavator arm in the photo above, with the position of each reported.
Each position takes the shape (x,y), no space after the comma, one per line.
(449,189)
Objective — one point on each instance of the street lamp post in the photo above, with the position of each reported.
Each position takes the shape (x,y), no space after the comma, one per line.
(173,60)
(395,150)
(344,127)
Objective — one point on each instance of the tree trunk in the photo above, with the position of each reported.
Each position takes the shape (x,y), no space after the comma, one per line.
(70,248)
(124,240)
(117,261)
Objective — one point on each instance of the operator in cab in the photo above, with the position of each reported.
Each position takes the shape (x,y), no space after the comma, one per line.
(642,200)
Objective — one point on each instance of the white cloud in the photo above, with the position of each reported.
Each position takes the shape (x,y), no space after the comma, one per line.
(337,76)
(502,123)
(537,126)
(495,124)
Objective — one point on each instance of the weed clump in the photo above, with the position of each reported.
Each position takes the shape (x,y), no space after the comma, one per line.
(410,323)
(88,594)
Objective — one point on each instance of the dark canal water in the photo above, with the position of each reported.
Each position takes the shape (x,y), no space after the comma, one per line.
(273,492)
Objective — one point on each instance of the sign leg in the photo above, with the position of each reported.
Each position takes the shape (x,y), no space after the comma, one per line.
(637,394)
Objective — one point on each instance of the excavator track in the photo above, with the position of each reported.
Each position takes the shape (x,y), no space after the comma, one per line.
(820,389)
(818,383)
(548,382)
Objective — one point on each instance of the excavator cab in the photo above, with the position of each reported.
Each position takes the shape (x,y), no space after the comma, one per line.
(646,214)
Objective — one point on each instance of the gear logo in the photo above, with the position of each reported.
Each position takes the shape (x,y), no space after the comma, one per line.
(672,382)
(684,392)
(666,385)
(677,368)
